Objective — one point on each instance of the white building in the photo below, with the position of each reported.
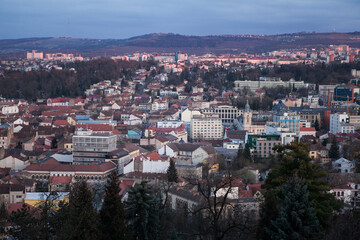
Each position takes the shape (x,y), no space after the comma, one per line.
(159,105)
(6,110)
(290,120)
(16,163)
(344,166)
(206,127)
(267,83)
(285,134)
(340,123)
(91,147)
(188,114)
(227,113)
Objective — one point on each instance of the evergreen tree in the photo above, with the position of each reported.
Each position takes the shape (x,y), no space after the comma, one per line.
(3,211)
(83,221)
(3,217)
(317,125)
(296,215)
(247,153)
(142,210)
(172,172)
(325,142)
(334,150)
(25,222)
(237,163)
(242,158)
(294,161)
(112,213)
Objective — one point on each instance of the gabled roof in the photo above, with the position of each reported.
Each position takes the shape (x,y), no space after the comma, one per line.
(236,134)
(209,149)
(153,156)
(161,138)
(60,123)
(186,147)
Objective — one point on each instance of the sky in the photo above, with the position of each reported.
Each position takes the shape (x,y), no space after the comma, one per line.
(118,19)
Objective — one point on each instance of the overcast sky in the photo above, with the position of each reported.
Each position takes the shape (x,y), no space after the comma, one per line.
(128,18)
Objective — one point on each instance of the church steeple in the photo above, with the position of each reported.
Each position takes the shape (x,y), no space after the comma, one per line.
(247,115)
(247,106)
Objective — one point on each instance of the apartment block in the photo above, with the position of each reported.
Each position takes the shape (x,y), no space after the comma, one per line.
(227,113)
(206,127)
(91,147)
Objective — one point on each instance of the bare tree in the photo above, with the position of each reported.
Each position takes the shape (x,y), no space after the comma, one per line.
(220,214)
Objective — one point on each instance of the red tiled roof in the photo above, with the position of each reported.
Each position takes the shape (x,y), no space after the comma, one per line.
(13,207)
(124,184)
(53,165)
(60,123)
(153,156)
(310,129)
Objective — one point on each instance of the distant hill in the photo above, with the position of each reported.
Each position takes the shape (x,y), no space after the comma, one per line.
(160,42)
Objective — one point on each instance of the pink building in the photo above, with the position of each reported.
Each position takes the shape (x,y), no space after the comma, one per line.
(34,55)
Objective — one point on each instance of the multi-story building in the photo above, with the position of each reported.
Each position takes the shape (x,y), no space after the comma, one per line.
(286,118)
(340,123)
(264,144)
(206,127)
(268,83)
(175,128)
(310,116)
(343,92)
(50,168)
(245,122)
(34,55)
(355,120)
(227,113)
(91,147)
(286,136)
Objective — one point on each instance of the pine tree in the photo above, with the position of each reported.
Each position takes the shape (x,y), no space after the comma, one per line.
(297,217)
(294,161)
(3,217)
(317,125)
(334,150)
(172,172)
(247,153)
(237,162)
(112,213)
(25,222)
(83,221)
(242,158)
(142,211)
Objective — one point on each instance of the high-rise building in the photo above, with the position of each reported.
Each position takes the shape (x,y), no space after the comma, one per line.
(227,113)
(343,92)
(91,147)
(340,123)
(206,127)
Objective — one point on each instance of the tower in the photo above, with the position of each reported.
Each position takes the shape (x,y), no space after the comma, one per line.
(247,115)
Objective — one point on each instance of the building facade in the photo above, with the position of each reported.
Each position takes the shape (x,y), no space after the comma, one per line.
(206,127)
(90,147)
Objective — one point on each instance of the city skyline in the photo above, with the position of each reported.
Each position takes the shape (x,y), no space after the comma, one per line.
(122,19)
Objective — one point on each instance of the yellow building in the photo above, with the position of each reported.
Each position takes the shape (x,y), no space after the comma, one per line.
(35,199)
